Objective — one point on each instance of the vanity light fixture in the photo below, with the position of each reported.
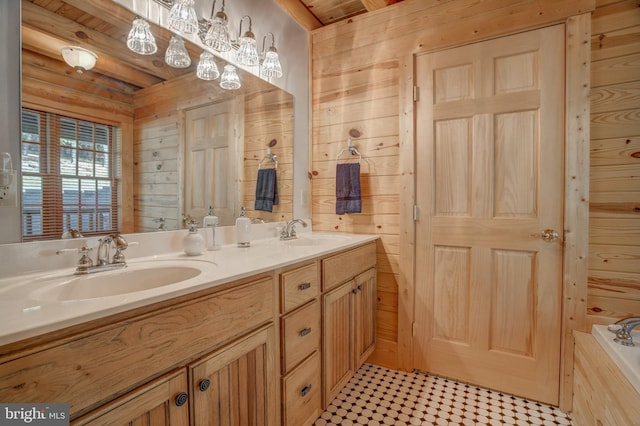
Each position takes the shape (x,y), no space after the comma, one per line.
(140,38)
(217,36)
(207,68)
(79,58)
(183,18)
(230,79)
(176,54)
(247,53)
(271,63)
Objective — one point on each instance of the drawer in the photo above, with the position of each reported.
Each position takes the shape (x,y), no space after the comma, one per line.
(346,265)
(298,286)
(301,393)
(301,331)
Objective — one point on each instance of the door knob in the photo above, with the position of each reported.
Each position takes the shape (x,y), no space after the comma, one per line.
(549,235)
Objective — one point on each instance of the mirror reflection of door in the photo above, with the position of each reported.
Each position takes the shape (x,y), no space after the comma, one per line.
(212,156)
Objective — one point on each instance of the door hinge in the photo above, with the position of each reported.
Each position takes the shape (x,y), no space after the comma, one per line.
(413,329)
(416,93)
(415,213)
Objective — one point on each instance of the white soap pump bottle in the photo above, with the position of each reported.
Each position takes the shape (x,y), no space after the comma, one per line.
(243,229)
(193,241)
(211,221)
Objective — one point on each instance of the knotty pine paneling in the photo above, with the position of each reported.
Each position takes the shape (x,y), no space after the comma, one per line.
(614,207)
(356,84)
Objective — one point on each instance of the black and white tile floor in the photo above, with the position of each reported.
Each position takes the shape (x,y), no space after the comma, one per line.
(378,396)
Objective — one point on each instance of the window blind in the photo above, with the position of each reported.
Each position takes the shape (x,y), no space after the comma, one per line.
(71,176)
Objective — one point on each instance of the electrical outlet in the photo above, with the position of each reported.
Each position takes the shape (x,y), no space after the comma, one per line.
(8,196)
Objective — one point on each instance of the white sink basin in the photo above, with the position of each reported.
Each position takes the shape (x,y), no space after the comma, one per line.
(310,239)
(112,283)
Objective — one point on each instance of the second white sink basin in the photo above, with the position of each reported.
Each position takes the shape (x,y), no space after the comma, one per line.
(112,283)
(311,239)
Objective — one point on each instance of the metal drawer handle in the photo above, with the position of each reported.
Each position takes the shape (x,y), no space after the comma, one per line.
(181,399)
(305,331)
(305,390)
(204,384)
(304,286)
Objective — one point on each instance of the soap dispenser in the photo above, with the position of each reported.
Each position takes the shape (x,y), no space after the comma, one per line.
(193,241)
(211,221)
(243,229)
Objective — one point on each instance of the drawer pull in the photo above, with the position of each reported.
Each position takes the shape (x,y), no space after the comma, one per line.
(304,286)
(204,384)
(181,399)
(305,390)
(305,331)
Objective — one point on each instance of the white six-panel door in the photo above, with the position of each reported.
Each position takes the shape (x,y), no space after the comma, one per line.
(489,182)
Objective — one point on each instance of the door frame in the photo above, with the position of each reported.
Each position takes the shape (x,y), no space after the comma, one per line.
(576,199)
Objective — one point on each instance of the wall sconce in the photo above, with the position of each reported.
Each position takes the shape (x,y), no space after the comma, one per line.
(271,63)
(79,58)
(247,53)
(207,68)
(176,54)
(182,17)
(230,79)
(217,36)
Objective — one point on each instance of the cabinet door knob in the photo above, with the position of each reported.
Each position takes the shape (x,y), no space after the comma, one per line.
(354,291)
(305,390)
(204,384)
(305,331)
(181,398)
(304,286)
(359,286)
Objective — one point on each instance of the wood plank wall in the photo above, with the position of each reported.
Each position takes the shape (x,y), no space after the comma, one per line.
(357,68)
(614,234)
(49,85)
(158,154)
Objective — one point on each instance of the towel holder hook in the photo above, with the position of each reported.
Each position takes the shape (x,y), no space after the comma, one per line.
(269,156)
(351,149)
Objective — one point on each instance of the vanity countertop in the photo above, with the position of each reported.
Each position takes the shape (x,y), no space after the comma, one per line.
(26,311)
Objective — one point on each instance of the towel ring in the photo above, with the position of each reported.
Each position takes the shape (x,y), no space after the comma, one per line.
(351,149)
(269,156)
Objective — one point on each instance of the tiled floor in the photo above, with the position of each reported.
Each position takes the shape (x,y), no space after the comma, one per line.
(378,396)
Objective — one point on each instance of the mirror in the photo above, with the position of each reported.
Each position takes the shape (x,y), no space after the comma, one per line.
(171,163)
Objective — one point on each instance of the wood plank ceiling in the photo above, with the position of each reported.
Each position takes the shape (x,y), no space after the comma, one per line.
(313,14)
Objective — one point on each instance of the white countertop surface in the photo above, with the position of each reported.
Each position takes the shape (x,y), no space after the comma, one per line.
(627,358)
(25,313)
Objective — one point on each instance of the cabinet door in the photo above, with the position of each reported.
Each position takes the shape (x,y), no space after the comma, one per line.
(163,402)
(236,385)
(365,316)
(338,335)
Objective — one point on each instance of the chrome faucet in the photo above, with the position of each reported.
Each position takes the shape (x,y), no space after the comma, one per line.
(103,258)
(289,230)
(623,328)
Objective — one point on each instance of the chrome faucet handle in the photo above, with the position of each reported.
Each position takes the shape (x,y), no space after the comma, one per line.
(85,261)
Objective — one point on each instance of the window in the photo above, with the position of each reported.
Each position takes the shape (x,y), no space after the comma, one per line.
(70,176)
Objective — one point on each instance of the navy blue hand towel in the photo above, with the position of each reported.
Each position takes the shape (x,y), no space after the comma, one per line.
(348,197)
(266,190)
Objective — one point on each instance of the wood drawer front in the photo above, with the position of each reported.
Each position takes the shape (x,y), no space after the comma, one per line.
(92,369)
(346,265)
(301,334)
(301,393)
(298,287)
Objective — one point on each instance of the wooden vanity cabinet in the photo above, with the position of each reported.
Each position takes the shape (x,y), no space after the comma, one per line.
(110,371)
(348,315)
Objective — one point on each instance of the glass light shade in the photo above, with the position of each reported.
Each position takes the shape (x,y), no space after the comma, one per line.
(247,53)
(140,39)
(271,65)
(79,58)
(217,36)
(182,17)
(230,79)
(176,54)
(207,68)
